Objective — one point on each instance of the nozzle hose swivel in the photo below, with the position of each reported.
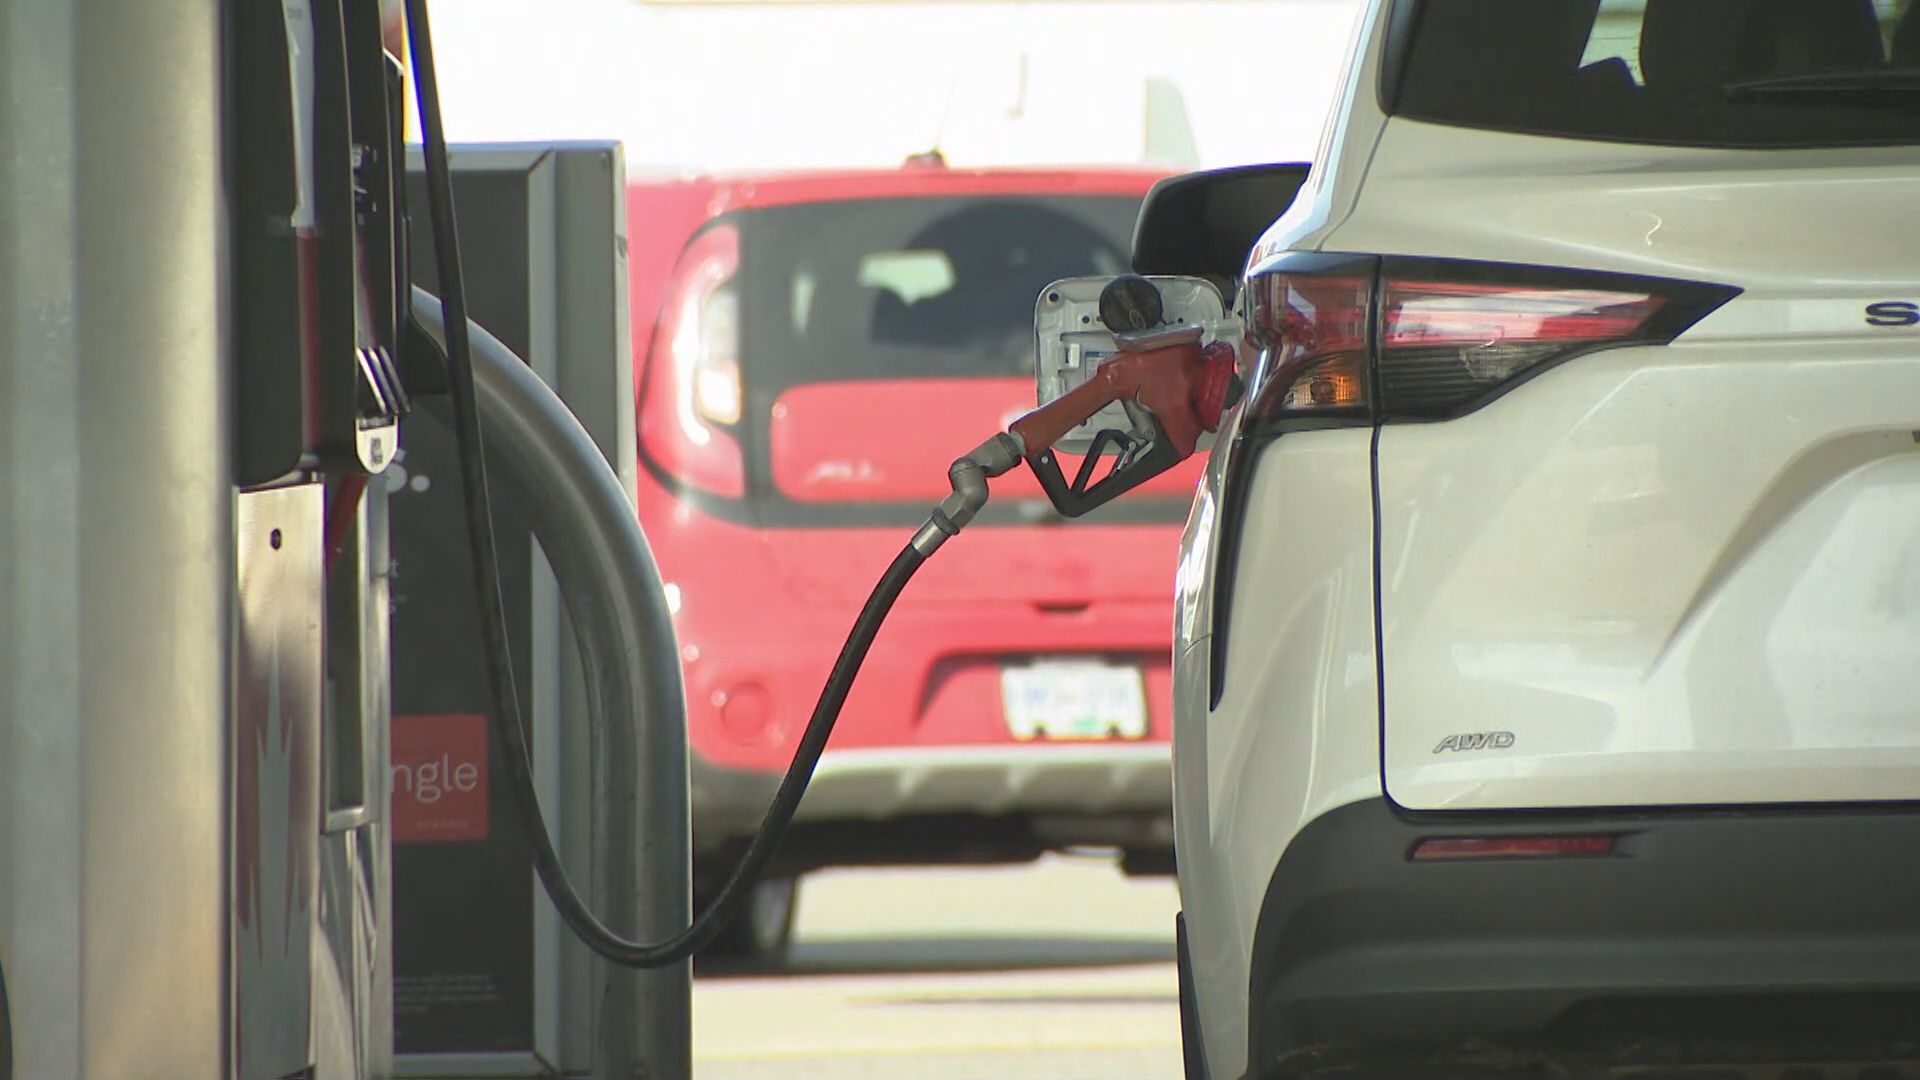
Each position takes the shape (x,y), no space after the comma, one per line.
(969,476)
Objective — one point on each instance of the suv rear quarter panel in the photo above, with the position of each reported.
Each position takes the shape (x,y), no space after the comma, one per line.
(1296,730)
(1676,575)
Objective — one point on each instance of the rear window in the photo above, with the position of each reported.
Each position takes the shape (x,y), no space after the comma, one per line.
(863,300)
(1674,72)
(912,288)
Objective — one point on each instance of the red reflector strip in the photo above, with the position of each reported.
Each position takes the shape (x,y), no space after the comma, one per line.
(1445,848)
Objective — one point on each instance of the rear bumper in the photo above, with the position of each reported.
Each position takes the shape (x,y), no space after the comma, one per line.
(758,632)
(1774,931)
(931,684)
(1122,791)
(991,780)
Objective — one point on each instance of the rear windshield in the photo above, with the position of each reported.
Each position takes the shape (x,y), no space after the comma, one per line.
(1675,72)
(913,287)
(901,290)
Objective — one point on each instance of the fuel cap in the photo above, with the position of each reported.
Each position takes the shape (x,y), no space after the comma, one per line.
(1130,303)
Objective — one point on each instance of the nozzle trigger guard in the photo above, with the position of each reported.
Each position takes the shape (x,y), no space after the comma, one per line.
(1131,469)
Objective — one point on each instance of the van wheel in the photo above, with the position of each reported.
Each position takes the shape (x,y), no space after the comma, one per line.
(759,937)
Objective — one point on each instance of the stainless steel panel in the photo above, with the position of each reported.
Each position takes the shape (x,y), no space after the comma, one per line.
(353,990)
(379,1059)
(346,959)
(594,311)
(115,521)
(276,779)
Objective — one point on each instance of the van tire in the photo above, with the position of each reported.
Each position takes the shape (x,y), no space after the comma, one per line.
(759,938)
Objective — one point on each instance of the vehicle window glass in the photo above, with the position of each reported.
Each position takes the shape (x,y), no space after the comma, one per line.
(912,287)
(1659,71)
(803,287)
(914,291)
(911,276)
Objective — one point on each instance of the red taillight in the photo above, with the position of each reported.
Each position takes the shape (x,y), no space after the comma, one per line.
(693,397)
(1455,848)
(1442,313)
(1444,345)
(1316,327)
(1432,338)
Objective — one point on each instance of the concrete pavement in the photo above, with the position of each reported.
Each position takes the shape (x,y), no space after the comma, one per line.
(1058,969)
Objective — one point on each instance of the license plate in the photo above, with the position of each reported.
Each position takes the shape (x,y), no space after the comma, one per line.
(1074,699)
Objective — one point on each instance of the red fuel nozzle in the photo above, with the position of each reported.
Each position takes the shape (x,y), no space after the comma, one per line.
(1162,371)
(1186,389)
(1219,388)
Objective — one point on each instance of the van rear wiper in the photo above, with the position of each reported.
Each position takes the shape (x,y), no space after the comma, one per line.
(1870,88)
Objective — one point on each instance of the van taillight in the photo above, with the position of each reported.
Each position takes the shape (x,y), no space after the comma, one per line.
(1404,338)
(693,398)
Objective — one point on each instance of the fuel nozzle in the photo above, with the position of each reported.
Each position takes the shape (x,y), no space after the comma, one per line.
(1133,311)
(1171,389)
(1220,386)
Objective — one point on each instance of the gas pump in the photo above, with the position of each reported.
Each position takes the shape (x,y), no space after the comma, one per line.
(201,297)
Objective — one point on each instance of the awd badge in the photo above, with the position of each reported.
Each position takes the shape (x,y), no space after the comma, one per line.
(1478,740)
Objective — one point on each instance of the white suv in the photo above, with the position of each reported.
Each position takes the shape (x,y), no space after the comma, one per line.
(1548,663)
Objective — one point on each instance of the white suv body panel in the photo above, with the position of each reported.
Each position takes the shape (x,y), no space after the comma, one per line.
(1731,217)
(1296,733)
(1675,575)
(1671,574)
(1340,161)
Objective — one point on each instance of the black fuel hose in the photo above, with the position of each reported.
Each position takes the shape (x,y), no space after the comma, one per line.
(508,728)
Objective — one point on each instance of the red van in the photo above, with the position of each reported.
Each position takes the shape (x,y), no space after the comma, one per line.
(811,352)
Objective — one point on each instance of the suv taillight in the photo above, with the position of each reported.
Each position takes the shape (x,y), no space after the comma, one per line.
(1403,338)
(692,398)
(1315,321)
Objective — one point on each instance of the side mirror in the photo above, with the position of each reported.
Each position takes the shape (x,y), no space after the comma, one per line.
(1203,224)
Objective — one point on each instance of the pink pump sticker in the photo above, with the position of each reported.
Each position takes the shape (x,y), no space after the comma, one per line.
(439,777)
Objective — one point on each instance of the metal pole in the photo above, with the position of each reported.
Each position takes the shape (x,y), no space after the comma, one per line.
(586,526)
(116,539)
